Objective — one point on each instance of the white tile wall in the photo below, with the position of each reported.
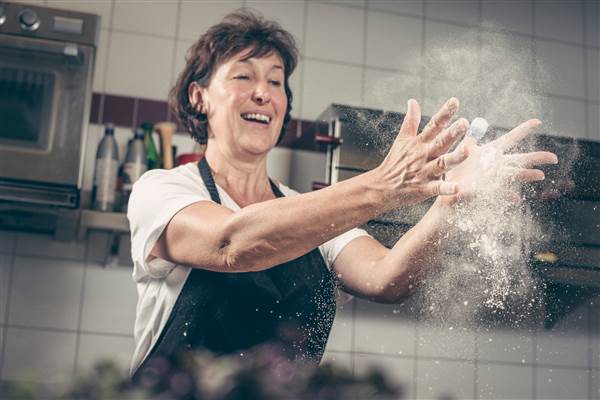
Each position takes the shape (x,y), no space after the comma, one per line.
(103,8)
(101,61)
(340,338)
(595,337)
(405,53)
(506,346)
(102,311)
(450,50)
(339,359)
(156,17)
(195,17)
(386,90)
(446,342)
(462,11)
(564,117)
(504,382)
(45,293)
(326,83)
(448,379)
(567,343)
(45,246)
(560,383)
(279,162)
(307,166)
(593,73)
(139,65)
(384,329)
(296,87)
(592,18)
(335,33)
(7,241)
(594,121)
(346,3)
(5,264)
(289,13)
(560,20)
(396,369)
(564,66)
(93,348)
(515,16)
(45,356)
(407,7)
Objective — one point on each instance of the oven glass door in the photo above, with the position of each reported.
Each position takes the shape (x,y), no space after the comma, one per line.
(44,104)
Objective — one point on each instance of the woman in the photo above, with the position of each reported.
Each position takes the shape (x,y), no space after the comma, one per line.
(226,259)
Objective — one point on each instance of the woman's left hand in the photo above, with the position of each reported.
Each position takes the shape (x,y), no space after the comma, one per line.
(488,169)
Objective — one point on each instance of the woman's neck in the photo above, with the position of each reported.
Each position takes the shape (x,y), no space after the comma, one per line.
(246,181)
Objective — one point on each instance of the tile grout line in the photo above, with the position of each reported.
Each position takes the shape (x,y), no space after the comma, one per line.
(363,70)
(174,74)
(7,307)
(353,339)
(302,57)
(586,78)
(107,61)
(81,303)
(67,330)
(590,329)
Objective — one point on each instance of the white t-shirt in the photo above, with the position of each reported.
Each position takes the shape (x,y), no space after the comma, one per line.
(156,197)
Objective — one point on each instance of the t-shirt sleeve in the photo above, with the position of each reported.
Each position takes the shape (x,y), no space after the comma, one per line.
(331,249)
(155,199)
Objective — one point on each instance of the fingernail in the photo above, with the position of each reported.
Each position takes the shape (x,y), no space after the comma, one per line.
(452,104)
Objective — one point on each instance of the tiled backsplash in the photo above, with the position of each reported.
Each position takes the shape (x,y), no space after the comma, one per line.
(60,310)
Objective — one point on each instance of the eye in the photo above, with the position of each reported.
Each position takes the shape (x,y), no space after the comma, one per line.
(242,77)
(275,82)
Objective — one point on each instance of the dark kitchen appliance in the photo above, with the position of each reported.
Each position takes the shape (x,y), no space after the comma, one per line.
(566,204)
(46,69)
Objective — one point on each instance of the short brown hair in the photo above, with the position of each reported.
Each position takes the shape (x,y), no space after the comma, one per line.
(240,30)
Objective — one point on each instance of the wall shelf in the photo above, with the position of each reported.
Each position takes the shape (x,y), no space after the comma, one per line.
(115,222)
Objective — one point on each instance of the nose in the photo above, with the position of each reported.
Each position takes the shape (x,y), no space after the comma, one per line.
(261,94)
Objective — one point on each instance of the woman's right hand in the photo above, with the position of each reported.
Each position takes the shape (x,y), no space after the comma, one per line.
(412,170)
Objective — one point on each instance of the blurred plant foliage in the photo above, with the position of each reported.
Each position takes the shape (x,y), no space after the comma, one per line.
(262,374)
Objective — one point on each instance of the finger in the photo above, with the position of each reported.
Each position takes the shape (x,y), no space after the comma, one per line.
(440,120)
(442,188)
(513,137)
(446,162)
(528,175)
(526,160)
(412,119)
(447,138)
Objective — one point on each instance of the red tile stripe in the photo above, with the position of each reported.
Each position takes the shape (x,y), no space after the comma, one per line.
(130,112)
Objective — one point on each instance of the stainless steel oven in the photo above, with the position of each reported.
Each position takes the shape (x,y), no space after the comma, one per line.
(46,68)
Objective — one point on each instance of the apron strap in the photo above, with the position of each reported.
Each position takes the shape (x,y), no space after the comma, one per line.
(209,181)
(207,177)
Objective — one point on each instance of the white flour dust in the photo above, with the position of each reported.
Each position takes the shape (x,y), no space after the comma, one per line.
(485,274)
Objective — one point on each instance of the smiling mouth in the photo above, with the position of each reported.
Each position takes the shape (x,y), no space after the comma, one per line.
(256,117)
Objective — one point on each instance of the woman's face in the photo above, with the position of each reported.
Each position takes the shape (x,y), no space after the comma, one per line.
(245,103)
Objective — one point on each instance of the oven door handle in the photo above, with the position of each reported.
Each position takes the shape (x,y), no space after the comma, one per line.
(69,50)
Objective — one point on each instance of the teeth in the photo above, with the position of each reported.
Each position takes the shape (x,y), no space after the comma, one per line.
(257,117)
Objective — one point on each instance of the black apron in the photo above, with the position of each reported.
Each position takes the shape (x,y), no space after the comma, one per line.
(292,304)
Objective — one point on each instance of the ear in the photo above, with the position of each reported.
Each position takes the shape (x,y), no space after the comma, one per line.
(196,97)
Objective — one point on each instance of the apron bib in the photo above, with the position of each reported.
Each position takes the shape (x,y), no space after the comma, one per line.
(292,304)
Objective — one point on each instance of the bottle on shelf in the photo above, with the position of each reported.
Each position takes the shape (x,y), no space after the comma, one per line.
(106,171)
(136,163)
(151,151)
